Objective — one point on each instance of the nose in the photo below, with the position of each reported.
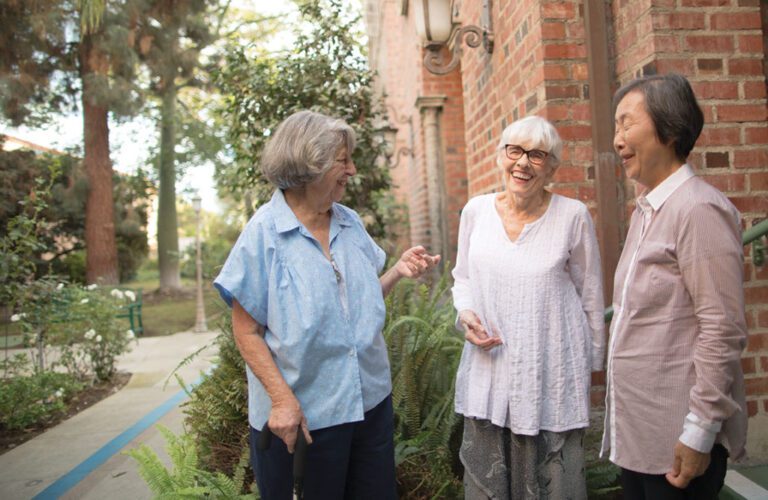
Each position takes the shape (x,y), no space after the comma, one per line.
(351,168)
(618,141)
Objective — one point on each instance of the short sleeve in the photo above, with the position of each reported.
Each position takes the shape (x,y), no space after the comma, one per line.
(372,250)
(245,275)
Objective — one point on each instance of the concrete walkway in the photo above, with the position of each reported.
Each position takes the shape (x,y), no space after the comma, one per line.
(81,458)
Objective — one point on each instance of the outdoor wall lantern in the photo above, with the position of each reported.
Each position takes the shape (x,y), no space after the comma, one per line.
(435,25)
(387,135)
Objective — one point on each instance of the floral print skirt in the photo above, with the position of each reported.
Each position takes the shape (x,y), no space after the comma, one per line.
(499,464)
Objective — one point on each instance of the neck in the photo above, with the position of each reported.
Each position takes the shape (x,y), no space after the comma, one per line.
(526,205)
(308,210)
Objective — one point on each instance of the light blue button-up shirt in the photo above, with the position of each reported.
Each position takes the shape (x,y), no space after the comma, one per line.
(323,325)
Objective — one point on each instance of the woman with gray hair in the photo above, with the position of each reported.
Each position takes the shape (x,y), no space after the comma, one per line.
(529,297)
(307,314)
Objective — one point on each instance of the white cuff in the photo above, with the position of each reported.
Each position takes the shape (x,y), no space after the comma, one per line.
(699,434)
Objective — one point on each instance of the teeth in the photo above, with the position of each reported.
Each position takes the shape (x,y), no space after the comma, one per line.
(524,177)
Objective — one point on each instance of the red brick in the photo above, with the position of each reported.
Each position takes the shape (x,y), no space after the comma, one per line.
(569,174)
(756,386)
(556,72)
(575,132)
(564,51)
(704,3)
(558,10)
(748,365)
(552,31)
(764,363)
(757,205)
(754,90)
(748,67)
(716,90)
(678,21)
(753,158)
(741,112)
(758,181)
(751,408)
(735,21)
(562,91)
(598,378)
(750,44)
(757,342)
(762,320)
(597,398)
(720,136)
(756,135)
(709,43)
(682,66)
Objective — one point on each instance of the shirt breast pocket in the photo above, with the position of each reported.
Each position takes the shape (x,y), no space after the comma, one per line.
(657,279)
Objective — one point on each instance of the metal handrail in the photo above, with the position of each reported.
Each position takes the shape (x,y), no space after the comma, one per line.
(752,235)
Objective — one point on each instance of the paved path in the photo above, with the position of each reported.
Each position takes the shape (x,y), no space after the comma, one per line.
(81,458)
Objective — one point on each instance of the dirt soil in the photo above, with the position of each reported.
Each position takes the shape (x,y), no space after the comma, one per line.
(88,397)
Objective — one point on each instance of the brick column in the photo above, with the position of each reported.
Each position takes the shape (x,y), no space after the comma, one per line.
(430,108)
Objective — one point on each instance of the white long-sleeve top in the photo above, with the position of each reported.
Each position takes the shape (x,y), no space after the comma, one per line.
(543,295)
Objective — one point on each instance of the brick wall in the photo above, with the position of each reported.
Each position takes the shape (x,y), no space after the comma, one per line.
(539,66)
(718,45)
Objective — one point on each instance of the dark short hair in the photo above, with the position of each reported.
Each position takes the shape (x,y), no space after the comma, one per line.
(672,105)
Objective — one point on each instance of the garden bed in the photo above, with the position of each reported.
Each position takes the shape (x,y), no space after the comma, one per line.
(89,396)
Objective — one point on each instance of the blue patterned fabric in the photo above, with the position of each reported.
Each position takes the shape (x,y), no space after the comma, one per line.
(323,318)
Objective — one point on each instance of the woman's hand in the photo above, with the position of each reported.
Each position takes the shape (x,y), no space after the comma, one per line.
(415,262)
(474,331)
(285,419)
(412,264)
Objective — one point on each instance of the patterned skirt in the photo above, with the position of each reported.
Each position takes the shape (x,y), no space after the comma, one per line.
(499,464)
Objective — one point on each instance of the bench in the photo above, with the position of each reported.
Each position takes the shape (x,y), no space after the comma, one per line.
(132,312)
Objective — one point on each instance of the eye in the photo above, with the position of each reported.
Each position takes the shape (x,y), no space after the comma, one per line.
(538,154)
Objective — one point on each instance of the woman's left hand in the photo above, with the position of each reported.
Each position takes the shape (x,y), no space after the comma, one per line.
(415,262)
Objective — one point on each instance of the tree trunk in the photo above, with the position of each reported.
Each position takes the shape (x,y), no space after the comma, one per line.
(167,222)
(100,244)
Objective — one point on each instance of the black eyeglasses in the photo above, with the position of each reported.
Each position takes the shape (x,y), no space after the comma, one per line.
(535,156)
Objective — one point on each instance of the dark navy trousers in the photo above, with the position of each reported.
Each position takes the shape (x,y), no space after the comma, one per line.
(347,461)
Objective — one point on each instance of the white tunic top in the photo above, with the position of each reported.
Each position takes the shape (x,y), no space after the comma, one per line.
(543,295)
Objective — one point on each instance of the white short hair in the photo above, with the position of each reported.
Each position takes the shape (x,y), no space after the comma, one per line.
(536,131)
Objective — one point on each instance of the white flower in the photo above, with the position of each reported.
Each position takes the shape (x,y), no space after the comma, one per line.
(15,318)
(98,338)
(90,334)
(59,286)
(84,301)
(130,334)
(131,296)
(92,287)
(59,393)
(116,293)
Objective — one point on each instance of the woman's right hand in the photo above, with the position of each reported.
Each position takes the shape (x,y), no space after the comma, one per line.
(474,331)
(285,419)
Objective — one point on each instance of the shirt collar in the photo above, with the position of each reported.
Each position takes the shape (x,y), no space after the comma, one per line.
(663,191)
(286,220)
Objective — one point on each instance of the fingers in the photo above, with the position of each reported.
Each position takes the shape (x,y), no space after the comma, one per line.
(305,430)
(417,261)
(687,465)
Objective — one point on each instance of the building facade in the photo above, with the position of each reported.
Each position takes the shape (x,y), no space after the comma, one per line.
(563,60)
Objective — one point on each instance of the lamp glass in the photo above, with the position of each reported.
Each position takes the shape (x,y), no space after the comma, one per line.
(439,15)
(196,203)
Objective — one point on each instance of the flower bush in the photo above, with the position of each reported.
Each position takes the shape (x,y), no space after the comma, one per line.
(79,323)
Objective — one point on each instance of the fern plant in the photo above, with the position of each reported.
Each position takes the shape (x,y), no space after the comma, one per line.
(424,349)
(186,479)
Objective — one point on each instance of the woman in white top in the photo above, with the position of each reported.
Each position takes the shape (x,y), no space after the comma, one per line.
(529,297)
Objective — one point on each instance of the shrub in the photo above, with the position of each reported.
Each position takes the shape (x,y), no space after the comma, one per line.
(30,397)
(217,411)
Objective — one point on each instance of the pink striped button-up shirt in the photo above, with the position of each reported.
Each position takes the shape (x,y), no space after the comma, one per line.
(678,329)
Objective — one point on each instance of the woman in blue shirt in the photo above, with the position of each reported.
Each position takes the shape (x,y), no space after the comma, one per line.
(307,311)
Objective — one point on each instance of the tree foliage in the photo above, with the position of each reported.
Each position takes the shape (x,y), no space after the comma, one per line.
(61,234)
(325,72)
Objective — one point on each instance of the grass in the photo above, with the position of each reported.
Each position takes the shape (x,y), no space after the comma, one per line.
(165,314)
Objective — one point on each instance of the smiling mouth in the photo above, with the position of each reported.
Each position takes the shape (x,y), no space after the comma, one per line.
(521,176)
